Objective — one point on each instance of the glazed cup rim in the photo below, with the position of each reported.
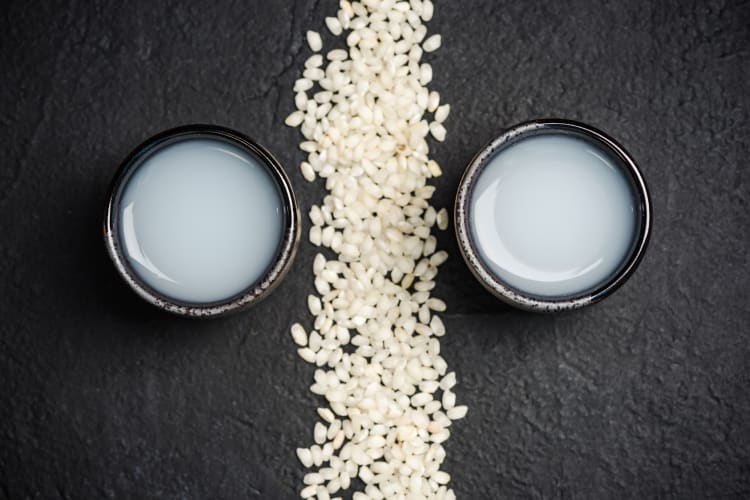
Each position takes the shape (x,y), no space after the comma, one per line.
(251,295)
(499,287)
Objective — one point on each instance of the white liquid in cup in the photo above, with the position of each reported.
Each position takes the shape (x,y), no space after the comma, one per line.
(201,220)
(553,215)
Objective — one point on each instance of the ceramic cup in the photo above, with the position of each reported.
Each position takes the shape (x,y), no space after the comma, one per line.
(515,295)
(289,216)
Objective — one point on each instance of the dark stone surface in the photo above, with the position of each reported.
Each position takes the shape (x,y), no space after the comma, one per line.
(643,396)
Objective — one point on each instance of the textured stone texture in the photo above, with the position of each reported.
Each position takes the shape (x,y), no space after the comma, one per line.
(643,396)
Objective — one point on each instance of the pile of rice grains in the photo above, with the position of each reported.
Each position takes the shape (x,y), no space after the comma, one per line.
(390,399)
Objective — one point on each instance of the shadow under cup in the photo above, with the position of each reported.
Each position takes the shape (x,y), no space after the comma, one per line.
(552,215)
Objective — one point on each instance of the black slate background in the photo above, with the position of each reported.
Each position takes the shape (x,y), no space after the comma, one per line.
(642,396)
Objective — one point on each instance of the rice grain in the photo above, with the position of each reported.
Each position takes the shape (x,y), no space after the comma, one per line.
(314,41)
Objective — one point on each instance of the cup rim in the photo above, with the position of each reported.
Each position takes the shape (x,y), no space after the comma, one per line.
(506,292)
(251,295)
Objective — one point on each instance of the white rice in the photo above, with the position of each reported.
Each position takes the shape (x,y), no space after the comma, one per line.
(314,41)
(390,399)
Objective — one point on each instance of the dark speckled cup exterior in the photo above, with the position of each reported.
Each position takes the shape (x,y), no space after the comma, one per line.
(519,298)
(248,297)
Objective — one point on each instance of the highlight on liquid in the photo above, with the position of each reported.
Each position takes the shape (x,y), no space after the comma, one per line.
(200,219)
(553,215)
